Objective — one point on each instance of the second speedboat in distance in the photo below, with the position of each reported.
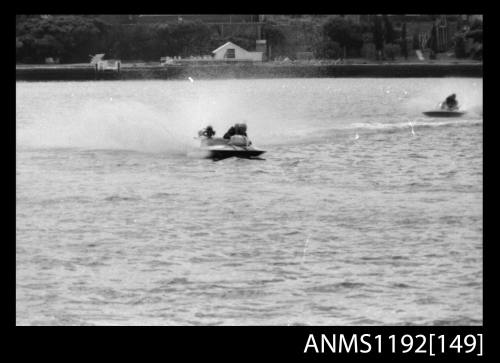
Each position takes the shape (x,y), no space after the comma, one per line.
(444,113)
(447,108)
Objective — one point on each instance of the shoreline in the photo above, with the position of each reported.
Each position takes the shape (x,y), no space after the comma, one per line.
(86,72)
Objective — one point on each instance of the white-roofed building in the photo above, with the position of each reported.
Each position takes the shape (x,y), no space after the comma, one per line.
(231,51)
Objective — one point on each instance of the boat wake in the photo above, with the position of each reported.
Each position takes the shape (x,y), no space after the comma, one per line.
(353,130)
(110,125)
(417,121)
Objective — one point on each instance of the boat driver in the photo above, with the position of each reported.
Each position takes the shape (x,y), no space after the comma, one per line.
(237,129)
(451,103)
(208,132)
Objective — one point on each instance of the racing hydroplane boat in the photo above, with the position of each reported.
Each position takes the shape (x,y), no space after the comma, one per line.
(238,146)
(442,111)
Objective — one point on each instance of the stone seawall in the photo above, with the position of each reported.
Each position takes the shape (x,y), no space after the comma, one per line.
(225,71)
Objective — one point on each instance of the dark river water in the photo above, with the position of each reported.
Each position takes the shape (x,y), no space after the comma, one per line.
(364,211)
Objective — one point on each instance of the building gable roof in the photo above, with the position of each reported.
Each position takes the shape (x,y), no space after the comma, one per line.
(226,45)
(96,58)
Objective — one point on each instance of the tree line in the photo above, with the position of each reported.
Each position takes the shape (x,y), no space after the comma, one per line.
(73,38)
(342,37)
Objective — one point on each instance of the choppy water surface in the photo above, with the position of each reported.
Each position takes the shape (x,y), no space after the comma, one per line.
(352,218)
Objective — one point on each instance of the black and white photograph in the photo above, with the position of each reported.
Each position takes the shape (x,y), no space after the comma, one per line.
(249,170)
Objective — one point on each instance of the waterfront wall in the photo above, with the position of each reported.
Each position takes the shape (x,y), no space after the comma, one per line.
(225,71)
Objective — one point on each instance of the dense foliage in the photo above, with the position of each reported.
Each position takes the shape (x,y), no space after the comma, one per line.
(378,35)
(404,43)
(272,33)
(67,37)
(389,33)
(72,38)
(468,43)
(338,31)
(328,49)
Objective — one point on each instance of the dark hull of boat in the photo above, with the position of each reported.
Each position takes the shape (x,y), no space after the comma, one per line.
(218,148)
(444,113)
(223,153)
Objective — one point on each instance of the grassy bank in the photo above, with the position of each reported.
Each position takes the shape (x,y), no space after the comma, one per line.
(249,70)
